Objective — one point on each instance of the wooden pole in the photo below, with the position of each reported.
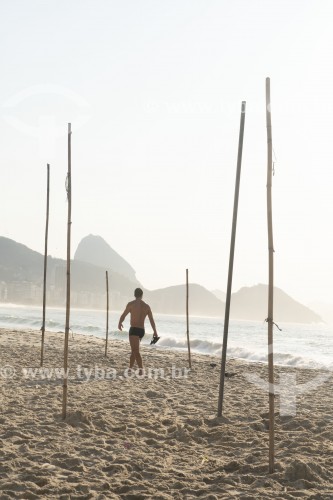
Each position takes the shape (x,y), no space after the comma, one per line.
(107,312)
(45,261)
(187,323)
(231,261)
(271,276)
(68,282)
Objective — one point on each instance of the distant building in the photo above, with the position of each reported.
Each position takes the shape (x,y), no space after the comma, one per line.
(60,278)
(23,291)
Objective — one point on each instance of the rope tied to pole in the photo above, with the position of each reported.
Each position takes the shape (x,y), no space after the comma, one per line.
(270,320)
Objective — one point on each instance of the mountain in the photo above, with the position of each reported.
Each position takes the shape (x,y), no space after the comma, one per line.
(21,281)
(95,250)
(172,300)
(324,309)
(219,294)
(251,303)
(18,262)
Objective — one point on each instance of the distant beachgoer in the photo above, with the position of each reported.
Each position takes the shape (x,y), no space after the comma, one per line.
(139,310)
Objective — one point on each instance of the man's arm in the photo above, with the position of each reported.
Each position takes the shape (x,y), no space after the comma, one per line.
(123,316)
(152,322)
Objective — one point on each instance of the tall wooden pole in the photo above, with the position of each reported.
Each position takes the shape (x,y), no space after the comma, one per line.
(68,283)
(231,261)
(107,312)
(270,277)
(45,261)
(187,323)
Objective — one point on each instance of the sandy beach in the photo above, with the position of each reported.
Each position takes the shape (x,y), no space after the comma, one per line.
(157,436)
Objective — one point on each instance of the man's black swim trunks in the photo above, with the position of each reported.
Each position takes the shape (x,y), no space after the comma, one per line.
(139,332)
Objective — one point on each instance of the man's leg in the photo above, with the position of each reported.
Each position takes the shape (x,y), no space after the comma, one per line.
(135,354)
(132,342)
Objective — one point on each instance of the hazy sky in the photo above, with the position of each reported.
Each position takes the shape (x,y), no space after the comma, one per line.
(153,89)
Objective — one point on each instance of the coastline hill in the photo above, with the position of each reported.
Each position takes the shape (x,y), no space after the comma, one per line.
(251,303)
(172,300)
(21,281)
(95,250)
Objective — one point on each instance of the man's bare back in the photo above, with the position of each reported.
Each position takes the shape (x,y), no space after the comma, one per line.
(139,310)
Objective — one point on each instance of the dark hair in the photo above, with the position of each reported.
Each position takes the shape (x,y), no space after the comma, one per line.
(138,293)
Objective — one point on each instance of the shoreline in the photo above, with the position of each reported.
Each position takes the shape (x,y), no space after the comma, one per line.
(157,437)
(220,317)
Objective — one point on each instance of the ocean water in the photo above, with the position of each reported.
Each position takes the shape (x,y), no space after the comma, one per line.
(308,346)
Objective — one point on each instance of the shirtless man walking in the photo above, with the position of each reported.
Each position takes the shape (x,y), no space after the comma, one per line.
(139,310)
